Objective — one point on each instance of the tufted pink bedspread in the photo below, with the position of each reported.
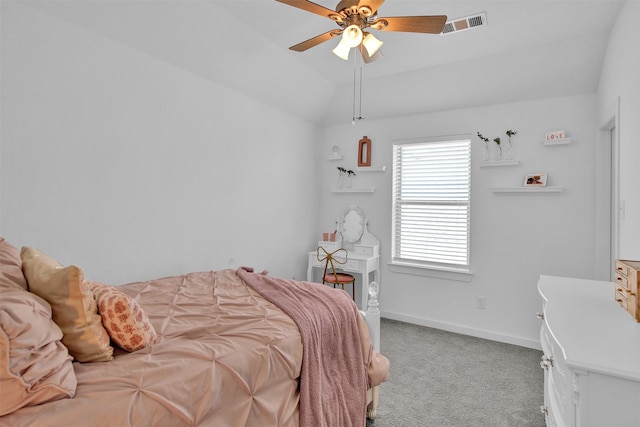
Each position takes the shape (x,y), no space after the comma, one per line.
(227,357)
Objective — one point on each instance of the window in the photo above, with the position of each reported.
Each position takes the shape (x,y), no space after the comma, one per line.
(431,202)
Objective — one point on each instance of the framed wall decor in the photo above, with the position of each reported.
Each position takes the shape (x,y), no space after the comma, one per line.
(535,180)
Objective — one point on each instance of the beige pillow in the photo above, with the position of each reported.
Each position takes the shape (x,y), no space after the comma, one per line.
(34,365)
(10,267)
(73,305)
(122,316)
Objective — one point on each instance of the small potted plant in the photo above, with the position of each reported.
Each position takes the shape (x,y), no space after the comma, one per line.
(499,151)
(341,172)
(349,174)
(510,133)
(485,147)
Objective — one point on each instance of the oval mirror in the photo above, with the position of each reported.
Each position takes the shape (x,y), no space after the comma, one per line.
(352,224)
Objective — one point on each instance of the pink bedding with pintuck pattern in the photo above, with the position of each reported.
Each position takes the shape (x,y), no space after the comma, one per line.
(225,357)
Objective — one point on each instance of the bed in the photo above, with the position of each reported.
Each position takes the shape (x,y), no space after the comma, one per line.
(215,348)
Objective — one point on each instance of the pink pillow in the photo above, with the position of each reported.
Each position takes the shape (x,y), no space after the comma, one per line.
(10,267)
(34,365)
(123,318)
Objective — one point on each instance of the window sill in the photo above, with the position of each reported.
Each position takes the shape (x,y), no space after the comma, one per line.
(440,273)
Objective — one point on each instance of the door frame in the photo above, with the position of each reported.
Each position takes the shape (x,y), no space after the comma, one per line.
(607,238)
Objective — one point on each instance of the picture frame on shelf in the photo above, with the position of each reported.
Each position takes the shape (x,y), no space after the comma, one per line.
(535,180)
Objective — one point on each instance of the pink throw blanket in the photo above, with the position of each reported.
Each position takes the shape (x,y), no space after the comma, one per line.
(333,381)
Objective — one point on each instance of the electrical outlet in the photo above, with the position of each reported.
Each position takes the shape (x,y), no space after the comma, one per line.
(481,302)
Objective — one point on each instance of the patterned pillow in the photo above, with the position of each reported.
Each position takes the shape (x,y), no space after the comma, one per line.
(128,325)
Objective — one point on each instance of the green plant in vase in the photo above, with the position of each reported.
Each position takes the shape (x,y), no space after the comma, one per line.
(485,147)
(499,150)
(510,133)
(350,173)
(341,172)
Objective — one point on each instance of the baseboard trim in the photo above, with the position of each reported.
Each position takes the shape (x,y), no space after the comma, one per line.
(460,329)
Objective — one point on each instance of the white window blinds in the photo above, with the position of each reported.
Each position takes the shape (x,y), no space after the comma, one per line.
(431,195)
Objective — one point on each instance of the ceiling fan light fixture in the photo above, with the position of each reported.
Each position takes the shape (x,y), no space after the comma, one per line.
(342,50)
(352,35)
(371,43)
(369,58)
(355,16)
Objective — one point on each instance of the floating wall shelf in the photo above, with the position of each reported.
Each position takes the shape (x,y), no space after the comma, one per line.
(561,141)
(527,189)
(353,190)
(371,169)
(487,163)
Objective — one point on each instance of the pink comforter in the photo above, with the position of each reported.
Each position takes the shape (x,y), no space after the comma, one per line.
(226,357)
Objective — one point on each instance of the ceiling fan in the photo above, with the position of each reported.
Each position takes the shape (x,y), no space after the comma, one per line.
(354,17)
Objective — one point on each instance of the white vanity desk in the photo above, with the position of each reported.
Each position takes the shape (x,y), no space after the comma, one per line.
(363,252)
(356,263)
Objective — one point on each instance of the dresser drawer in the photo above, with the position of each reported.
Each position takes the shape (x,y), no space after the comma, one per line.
(621,282)
(545,340)
(352,264)
(329,246)
(622,300)
(367,250)
(561,402)
(622,269)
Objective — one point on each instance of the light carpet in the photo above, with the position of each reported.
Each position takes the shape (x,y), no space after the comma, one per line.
(444,379)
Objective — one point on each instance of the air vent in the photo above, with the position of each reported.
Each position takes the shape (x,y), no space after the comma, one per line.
(466,23)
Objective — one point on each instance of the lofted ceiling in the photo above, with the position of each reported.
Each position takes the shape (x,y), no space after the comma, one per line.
(528,49)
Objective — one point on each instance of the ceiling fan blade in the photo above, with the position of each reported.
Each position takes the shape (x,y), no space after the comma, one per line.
(314,41)
(314,8)
(374,5)
(365,55)
(412,24)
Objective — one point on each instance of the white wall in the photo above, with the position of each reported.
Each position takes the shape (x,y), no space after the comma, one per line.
(514,237)
(134,169)
(620,79)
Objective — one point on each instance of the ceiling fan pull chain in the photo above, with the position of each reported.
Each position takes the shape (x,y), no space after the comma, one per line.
(360,116)
(353,116)
(355,65)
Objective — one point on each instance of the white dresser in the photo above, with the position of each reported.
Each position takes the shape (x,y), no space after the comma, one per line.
(591,355)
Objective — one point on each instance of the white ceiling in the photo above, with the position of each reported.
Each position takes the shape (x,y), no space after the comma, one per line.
(529,49)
